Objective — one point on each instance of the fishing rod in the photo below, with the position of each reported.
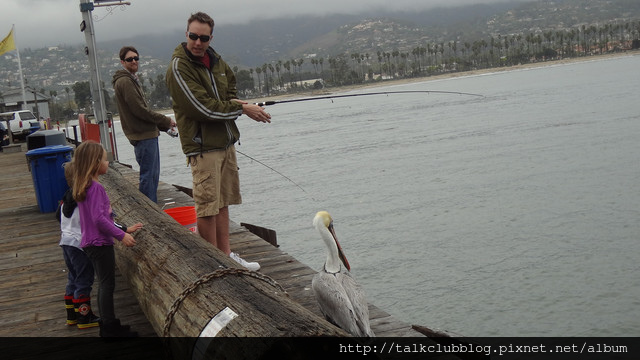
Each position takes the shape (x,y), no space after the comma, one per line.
(331,97)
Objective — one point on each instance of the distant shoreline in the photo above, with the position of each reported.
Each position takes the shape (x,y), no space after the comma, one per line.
(341,89)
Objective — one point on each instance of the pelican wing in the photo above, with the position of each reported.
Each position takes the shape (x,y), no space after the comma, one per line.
(336,304)
(356,295)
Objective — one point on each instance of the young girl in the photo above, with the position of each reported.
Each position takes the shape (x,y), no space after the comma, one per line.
(98,232)
(80,274)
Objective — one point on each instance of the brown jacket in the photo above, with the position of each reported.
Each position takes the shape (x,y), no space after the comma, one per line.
(202,101)
(137,120)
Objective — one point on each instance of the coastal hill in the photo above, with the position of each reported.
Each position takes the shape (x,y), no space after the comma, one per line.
(57,67)
(288,38)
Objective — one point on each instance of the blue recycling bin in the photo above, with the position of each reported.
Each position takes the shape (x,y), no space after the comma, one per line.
(47,172)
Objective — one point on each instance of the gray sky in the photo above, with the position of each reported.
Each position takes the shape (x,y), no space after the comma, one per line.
(57,22)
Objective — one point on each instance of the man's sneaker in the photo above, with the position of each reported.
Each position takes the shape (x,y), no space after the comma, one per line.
(253,266)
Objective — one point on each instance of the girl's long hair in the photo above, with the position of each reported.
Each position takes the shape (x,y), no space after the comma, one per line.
(84,165)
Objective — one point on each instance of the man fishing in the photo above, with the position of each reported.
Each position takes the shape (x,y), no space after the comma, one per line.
(203,89)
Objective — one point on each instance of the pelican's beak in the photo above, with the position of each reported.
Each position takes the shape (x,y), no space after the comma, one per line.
(340,252)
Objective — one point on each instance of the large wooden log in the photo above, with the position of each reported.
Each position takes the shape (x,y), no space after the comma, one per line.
(182,282)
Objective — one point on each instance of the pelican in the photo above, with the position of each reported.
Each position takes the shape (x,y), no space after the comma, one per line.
(341,299)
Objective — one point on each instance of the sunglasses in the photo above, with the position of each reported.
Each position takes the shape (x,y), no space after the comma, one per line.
(130,59)
(203,38)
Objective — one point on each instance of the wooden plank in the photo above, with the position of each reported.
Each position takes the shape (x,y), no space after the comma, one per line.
(32,268)
(31,265)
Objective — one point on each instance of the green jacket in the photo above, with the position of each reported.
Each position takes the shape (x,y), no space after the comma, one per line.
(137,120)
(202,102)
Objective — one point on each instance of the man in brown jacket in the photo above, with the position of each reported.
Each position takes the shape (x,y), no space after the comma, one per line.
(139,124)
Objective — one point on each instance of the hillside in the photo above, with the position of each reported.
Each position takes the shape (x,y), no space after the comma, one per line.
(403,31)
(269,41)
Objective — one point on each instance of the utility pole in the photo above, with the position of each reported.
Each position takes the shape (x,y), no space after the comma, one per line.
(97,95)
(35,102)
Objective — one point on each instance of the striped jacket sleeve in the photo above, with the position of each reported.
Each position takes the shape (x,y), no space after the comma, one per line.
(198,94)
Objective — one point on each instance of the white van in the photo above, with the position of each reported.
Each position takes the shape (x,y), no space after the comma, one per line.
(22,123)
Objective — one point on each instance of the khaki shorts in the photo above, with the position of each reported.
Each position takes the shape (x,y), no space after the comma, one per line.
(216,182)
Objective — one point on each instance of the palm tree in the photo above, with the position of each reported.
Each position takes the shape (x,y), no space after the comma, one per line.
(253,81)
(266,78)
(395,55)
(287,66)
(355,57)
(404,57)
(258,72)
(271,70)
(278,66)
(321,61)
(294,63)
(68,99)
(300,62)
(585,41)
(416,58)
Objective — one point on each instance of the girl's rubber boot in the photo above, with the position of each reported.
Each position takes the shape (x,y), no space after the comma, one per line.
(71,312)
(85,317)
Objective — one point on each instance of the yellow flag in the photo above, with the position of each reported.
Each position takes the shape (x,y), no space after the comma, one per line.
(7,44)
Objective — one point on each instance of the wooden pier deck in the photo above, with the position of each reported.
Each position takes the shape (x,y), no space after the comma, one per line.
(33,271)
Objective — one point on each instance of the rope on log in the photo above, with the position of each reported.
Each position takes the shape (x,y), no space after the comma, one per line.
(205,279)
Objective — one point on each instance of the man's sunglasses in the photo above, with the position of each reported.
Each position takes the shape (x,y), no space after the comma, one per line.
(203,38)
(130,59)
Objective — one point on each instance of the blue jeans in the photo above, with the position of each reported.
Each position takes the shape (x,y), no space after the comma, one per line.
(148,157)
(80,278)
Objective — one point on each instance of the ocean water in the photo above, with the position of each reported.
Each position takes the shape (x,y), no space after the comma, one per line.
(511,214)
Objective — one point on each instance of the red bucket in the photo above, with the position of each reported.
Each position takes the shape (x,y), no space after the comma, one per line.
(185,216)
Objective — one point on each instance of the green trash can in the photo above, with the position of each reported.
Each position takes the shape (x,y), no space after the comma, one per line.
(47,172)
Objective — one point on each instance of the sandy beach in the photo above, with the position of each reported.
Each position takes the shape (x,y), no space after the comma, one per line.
(341,89)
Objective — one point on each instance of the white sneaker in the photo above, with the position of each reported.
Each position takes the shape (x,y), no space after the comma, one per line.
(253,266)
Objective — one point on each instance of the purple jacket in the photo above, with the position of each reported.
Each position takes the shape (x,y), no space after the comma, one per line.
(95,218)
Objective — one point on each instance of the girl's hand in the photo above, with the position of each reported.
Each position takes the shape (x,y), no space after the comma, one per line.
(128,240)
(134,228)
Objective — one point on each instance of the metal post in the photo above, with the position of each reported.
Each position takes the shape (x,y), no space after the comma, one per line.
(35,100)
(97,96)
(24,94)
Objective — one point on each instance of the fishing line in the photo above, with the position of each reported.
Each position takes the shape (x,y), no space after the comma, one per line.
(331,97)
(263,164)
(272,169)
